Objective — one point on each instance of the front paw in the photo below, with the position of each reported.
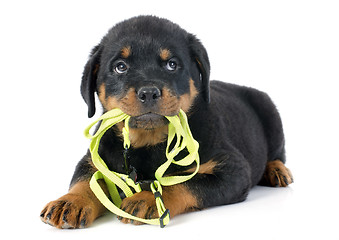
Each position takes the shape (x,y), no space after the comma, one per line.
(141,205)
(69,211)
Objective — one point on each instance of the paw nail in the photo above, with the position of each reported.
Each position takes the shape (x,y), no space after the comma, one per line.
(64,217)
(277,182)
(285,180)
(49,215)
(83,223)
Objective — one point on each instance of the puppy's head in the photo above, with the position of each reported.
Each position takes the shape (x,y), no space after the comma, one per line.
(149,68)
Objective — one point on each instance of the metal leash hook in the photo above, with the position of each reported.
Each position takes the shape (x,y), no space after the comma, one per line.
(129,169)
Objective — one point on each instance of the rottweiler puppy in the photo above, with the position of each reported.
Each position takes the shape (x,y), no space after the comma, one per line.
(149,67)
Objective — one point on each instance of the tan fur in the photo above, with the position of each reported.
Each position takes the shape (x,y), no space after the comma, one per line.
(79,204)
(178,199)
(277,174)
(129,104)
(141,205)
(165,54)
(169,104)
(140,137)
(187,100)
(108,103)
(126,51)
(206,168)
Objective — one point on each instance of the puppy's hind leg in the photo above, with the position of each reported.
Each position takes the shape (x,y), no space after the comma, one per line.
(229,181)
(276,175)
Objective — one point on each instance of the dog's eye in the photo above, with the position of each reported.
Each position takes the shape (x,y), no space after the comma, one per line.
(120,68)
(171,65)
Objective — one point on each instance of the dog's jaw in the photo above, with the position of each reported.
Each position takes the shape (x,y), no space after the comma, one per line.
(148,121)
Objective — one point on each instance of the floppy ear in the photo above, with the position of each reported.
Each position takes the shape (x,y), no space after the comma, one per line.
(199,54)
(89,79)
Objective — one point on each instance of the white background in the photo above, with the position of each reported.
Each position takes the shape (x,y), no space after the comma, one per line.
(290,49)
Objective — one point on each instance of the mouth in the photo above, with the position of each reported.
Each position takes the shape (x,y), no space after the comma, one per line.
(148,121)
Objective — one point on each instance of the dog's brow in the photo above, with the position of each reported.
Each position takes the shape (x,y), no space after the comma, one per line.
(165,54)
(126,51)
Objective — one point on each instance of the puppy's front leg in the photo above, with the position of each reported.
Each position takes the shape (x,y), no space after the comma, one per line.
(79,207)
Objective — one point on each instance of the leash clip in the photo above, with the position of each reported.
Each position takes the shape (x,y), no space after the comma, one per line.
(133,175)
(129,169)
(162,218)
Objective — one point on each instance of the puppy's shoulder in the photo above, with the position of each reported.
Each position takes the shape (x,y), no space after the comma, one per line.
(222,91)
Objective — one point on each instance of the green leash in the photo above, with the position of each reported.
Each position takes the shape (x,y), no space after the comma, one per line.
(177,127)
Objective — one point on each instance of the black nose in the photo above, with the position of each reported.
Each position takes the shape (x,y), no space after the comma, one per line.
(148,94)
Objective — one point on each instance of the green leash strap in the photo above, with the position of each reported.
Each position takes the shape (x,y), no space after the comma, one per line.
(108,120)
(178,127)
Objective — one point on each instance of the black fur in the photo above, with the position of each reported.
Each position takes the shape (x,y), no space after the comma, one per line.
(237,127)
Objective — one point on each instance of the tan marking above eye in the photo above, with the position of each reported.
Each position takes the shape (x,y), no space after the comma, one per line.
(165,54)
(126,51)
